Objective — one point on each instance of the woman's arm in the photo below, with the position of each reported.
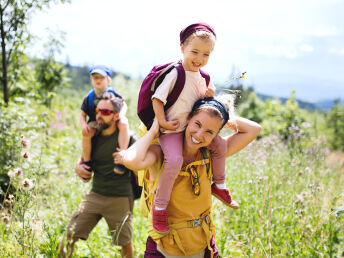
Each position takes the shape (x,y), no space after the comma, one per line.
(247,131)
(141,154)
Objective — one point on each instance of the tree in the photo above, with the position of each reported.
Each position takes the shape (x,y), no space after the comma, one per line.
(335,121)
(14,17)
(49,73)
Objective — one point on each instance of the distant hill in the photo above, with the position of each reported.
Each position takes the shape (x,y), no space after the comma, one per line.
(302,104)
(327,104)
(322,105)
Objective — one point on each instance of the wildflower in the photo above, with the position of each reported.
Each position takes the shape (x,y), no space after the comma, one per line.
(250,181)
(305,125)
(26,155)
(15,173)
(8,202)
(24,142)
(11,173)
(299,199)
(5,219)
(27,184)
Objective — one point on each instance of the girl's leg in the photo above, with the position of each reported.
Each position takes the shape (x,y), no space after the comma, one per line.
(218,148)
(171,145)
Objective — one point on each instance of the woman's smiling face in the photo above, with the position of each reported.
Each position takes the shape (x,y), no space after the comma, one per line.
(201,130)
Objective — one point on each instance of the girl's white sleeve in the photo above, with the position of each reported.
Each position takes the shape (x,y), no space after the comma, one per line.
(165,88)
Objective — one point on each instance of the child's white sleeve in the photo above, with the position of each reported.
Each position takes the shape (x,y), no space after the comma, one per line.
(166,86)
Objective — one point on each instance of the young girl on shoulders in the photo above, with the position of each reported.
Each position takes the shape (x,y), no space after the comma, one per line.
(196,42)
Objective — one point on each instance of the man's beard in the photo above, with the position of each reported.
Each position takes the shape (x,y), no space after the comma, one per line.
(102,125)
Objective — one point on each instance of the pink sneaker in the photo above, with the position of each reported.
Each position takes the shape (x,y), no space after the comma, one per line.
(224,196)
(160,221)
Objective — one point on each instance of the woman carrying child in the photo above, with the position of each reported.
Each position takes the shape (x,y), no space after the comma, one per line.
(189,208)
(197,42)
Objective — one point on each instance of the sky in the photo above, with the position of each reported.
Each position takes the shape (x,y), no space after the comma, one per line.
(282,45)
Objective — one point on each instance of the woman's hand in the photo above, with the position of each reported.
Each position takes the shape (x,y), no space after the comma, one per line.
(246,131)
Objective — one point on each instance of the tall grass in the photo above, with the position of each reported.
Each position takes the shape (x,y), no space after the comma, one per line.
(286,195)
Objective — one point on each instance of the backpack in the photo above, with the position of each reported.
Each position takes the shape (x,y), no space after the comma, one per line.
(91,95)
(151,83)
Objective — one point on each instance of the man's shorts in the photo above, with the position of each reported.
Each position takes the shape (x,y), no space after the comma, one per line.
(117,211)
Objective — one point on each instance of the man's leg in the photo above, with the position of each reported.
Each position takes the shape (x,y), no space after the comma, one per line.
(127,250)
(82,223)
(117,213)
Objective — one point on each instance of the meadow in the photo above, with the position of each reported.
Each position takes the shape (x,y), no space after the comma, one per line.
(291,192)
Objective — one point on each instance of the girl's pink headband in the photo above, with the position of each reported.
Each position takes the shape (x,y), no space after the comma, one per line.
(185,33)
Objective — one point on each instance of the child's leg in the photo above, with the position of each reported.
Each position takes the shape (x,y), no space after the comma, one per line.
(86,148)
(171,145)
(218,149)
(123,142)
(87,145)
(123,134)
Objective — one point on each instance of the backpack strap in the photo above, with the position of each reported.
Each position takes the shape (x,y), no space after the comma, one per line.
(90,99)
(206,76)
(178,86)
(205,157)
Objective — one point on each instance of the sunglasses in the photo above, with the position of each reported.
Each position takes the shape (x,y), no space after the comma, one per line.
(104,111)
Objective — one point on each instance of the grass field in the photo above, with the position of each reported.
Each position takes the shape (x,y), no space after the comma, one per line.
(288,196)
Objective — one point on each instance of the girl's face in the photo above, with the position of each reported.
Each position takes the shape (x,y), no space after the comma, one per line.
(196,53)
(201,130)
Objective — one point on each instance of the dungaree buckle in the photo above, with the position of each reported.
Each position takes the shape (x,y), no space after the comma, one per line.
(207,219)
(195,223)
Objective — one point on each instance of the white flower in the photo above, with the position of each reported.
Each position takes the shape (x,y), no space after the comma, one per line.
(27,184)
(15,173)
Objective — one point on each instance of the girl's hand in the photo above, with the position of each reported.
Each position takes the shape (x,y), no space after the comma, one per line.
(170,125)
(210,92)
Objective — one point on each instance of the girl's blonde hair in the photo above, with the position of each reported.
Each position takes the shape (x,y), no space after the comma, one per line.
(202,34)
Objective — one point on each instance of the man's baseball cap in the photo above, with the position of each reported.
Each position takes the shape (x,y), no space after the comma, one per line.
(101,69)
